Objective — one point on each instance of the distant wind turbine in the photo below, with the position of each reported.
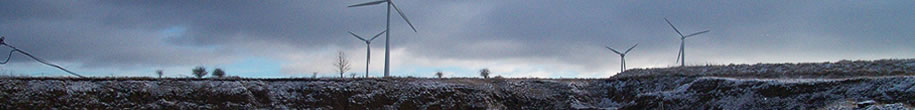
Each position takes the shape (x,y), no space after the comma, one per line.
(387,36)
(622,56)
(681,56)
(368,49)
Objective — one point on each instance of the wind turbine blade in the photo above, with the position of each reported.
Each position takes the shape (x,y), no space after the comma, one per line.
(379,34)
(680,51)
(614,50)
(672,26)
(630,48)
(368,3)
(403,16)
(357,36)
(690,35)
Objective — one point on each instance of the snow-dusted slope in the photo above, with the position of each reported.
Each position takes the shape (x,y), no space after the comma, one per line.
(630,93)
(884,88)
(767,94)
(313,94)
(838,69)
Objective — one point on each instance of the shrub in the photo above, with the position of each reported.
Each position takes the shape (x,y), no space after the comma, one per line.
(159,72)
(439,74)
(219,73)
(232,77)
(199,72)
(485,73)
(498,79)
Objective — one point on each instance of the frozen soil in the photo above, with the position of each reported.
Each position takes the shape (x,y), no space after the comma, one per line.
(628,93)
(882,91)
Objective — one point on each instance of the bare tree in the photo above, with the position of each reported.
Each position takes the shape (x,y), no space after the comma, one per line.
(199,72)
(485,73)
(342,65)
(353,75)
(159,72)
(439,74)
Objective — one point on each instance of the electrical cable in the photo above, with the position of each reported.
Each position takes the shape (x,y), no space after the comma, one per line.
(10,56)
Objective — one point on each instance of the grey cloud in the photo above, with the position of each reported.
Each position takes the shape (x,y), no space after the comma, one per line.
(117,33)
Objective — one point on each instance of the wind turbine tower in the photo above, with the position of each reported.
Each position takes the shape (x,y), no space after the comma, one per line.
(368,49)
(681,56)
(387,36)
(622,56)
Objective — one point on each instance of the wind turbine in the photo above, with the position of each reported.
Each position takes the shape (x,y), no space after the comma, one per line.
(623,56)
(387,36)
(368,49)
(681,56)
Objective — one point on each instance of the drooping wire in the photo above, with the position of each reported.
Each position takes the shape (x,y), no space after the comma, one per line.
(10,56)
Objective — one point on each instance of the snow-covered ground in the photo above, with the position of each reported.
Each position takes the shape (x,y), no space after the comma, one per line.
(683,90)
(838,69)
(666,92)
(743,94)
(312,94)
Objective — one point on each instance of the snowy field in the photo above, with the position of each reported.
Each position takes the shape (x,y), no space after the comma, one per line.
(875,89)
(840,69)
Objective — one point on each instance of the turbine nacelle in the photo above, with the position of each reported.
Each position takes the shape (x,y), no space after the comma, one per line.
(622,53)
(623,56)
(367,41)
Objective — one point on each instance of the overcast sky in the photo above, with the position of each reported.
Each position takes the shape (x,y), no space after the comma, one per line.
(513,38)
